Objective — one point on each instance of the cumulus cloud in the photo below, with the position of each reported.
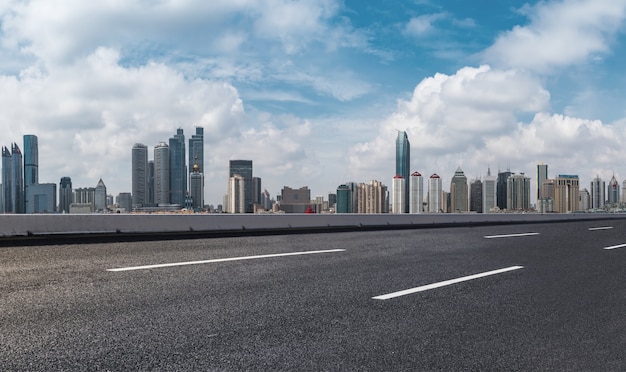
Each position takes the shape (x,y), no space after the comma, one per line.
(559,34)
(472,119)
(420,25)
(89,114)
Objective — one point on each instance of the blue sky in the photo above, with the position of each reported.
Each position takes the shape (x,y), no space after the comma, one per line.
(314,91)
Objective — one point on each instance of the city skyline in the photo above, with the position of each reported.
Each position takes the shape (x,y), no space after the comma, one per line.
(314,91)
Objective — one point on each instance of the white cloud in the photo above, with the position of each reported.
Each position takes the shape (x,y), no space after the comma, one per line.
(560,33)
(469,119)
(420,25)
(89,114)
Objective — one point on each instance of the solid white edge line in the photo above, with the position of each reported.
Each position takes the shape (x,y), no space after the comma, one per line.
(156,266)
(444,283)
(509,235)
(616,246)
(600,228)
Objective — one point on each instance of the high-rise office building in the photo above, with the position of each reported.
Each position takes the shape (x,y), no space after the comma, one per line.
(17,179)
(403,165)
(100,201)
(256,190)
(139,174)
(236,194)
(196,187)
(178,168)
(196,150)
(399,194)
(435,194)
(566,194)
(501,189)
(459,192)
(623,192)
(243,168)
(612,192)
(476,196)
(597,193)
(344,199)
(542,176)
(31,168)
(7,204)
(162,174)
(416,193)
(489,192)
(65,194)
(518,192)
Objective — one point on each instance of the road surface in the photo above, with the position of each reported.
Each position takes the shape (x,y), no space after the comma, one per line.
(517,297)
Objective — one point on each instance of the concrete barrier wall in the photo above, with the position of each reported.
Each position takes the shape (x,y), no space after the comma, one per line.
(23,225)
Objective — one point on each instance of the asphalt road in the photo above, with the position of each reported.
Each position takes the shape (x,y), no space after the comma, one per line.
(558,304)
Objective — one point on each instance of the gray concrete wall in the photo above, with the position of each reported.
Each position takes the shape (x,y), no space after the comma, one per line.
(48,224)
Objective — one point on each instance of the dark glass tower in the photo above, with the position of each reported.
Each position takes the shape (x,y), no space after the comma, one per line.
(243,168)
(6,181)
(139,174)
(65,194)
(196,160)
(17,177)
(178,169)
(31,166)
(501,189)
(403,162)
(196,150)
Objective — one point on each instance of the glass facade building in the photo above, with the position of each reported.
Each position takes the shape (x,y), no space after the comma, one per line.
(178,168)
(403,163)
(65,194)
(139,174)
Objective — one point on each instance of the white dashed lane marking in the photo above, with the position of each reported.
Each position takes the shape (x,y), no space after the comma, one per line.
(445,283)
(157,266)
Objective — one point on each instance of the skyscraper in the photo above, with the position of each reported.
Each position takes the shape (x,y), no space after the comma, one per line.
(542,176)
(518,192)
(196,156)
(162,174)
(403,164)
(178,169)
(597,193)
(612,191)
(489,192)
(196,185)
(476,196)
(256,190)
(566,194)
(501,189)
(243,168)
(139,173)
(399,193)
(416,192)
(458,192)
(435,203)
(344,199)
(236,194)
(31,167)
(65,194)
(100,201)
(196,149)
(6,181)
(17,179)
